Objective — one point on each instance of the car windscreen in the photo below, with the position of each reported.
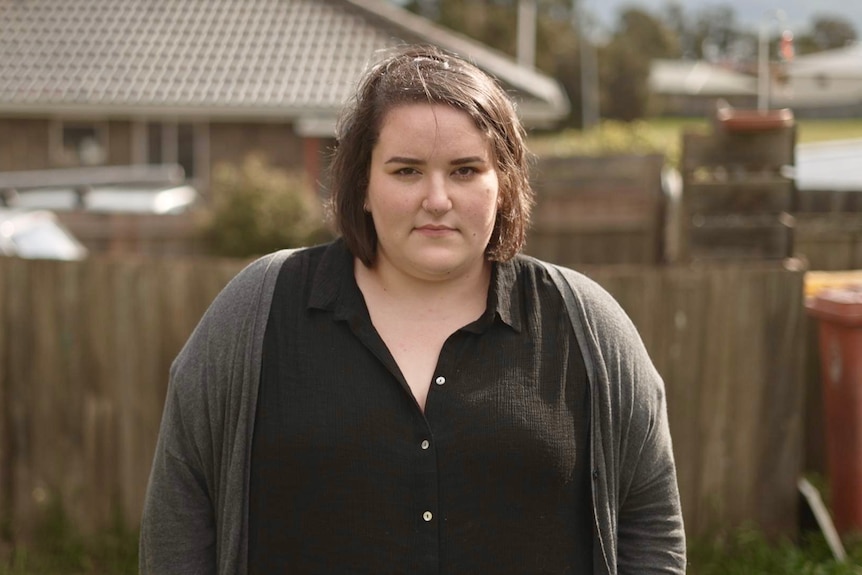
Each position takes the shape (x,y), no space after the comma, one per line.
(44,239)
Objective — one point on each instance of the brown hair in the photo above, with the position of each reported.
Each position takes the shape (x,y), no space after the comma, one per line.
(427,74)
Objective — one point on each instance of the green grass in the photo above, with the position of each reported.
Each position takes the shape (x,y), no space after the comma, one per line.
(824,130)
(58,549)
(745,552)
(664,136)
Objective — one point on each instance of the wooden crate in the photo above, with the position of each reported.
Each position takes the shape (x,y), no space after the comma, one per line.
(598,210)
(739,151)
(739,237)
(756,195)
(737,195)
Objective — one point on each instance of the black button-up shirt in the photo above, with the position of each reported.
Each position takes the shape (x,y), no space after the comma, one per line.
(349,476)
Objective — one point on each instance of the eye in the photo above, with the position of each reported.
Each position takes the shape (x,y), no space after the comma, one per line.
(406,171)
(466,171)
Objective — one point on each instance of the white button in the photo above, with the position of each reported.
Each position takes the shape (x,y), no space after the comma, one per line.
(427,516)
(440,380)
(425,444)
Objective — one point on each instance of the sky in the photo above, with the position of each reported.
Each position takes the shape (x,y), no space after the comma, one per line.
(749,13)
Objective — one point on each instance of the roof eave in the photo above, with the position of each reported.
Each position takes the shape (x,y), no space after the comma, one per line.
(190,111)
(520,77)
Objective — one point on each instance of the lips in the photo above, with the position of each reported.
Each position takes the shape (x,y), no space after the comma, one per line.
(435,228)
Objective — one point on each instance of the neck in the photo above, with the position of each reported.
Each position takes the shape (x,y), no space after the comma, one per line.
(431,296)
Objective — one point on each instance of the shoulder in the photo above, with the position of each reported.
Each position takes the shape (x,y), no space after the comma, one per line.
(238,313)
(607,335)
(587,298)
(258,273)
(253,286)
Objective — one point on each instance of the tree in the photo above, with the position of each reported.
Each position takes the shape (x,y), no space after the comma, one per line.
(623,74)
(647,34)
(494,23)
(828,33)
(715,31)
(624,64)
(677,23)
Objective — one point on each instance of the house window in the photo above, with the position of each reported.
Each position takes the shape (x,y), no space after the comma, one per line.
(80,143)
(154,143)
(186,149)
(171,143)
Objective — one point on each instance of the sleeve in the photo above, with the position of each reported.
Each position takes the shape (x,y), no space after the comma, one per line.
(178,532)
(636,438)
(193,510)
(651,537)
(636,499)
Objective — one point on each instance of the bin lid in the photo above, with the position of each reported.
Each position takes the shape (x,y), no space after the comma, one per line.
(837,304)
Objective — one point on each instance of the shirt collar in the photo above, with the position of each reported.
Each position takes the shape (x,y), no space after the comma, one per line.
(505,297)
(334,289)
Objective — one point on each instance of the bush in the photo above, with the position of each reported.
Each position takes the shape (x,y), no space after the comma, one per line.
(747,552)
(256,209)
(58,548)
(608,138)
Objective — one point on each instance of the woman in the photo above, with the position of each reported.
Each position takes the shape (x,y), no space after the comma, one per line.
(416,396)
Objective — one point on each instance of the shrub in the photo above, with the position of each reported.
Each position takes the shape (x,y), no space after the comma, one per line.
(746,551)
(57,547)
(609,137)
(256,208)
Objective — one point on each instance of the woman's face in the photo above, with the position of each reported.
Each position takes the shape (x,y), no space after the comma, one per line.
(432,193)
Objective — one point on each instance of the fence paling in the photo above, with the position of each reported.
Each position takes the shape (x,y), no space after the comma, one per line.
(729,343)
(86,348)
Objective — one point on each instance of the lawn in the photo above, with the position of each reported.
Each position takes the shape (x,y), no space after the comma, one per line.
(745,552)
(664,135)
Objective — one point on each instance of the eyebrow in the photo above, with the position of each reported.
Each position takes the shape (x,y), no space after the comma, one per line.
(417,162)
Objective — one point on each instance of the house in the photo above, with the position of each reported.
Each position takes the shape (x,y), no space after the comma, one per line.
(691,87)
(823,84)
(199,82)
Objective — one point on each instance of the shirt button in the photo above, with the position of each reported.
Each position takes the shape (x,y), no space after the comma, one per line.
(440,380)
(425,444)
(427,516)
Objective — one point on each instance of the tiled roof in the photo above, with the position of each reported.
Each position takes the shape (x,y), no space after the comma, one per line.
(843,62)
(698,78)
(241,58)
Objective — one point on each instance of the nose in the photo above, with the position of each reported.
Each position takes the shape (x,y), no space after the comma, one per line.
(437,200)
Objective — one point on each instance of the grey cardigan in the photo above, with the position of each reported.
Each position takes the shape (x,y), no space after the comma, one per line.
(195,515)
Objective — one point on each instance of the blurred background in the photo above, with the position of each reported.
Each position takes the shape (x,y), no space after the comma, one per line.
(703,161)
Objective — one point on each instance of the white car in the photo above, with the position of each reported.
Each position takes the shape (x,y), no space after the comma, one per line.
(37,234)
(136,199)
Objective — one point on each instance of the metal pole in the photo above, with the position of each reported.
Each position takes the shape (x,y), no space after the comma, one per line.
(589,66)
(763,69)
(763,76)
(527,33)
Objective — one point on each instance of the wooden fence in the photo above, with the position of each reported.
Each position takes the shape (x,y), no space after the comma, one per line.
(141,234)
(85,349)
(84,352)
(599,209)
(729,341)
